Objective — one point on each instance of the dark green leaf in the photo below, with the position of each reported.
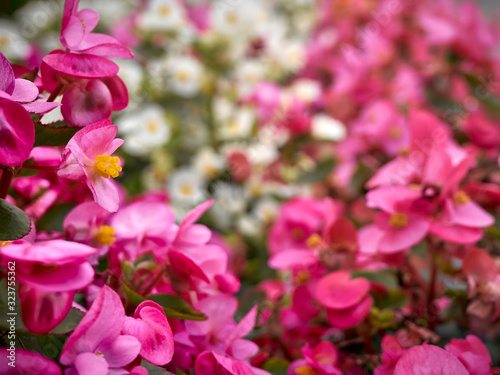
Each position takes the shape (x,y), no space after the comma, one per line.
(14,223)
(174,306)
(392,300)
(276,366)
(386,278)
(153,369)
(57,134)
(69,323)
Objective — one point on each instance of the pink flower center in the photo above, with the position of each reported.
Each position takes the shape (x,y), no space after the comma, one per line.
(398,220)
(106,235)
(106,167)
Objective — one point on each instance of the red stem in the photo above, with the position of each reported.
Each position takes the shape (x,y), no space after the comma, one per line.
(5,179)
(54,94)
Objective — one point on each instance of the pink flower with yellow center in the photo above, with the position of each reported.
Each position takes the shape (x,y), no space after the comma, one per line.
(88,156)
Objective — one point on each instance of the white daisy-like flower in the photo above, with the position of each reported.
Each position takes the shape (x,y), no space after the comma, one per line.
(266,209)
(187,186)
(306,90)
(184,76)
(163,15)
(239,125)
(12,43)
(326,128)
(208,162)
(248,74)
(144,129)
(131,73)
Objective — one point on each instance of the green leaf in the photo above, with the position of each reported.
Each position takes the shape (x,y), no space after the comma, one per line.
(319,173)
(392,300)
(14,223)
(56,134)
(153,369)
(69,323)
(174,306)
(276,366)
(386,278)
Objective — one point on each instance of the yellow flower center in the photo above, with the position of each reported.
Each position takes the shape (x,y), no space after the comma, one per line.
(395,133)
(186,189)
(164,10)
(152,126)
(4,41)
(4,243)
(182,76)
(106,235)
(398,220)
(302,277)
(106,167)
(99,354)
(313,241)
(461,198)
(404,151)
(304,370)
(231,18)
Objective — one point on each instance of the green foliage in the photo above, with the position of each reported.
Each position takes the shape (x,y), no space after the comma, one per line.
(14,223)
(56,134)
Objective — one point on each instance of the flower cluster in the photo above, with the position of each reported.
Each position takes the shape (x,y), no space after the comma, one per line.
(250,187)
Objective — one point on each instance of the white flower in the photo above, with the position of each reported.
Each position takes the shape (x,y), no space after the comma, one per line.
(248,74)
(131,73)
(238,125)
(144,129)
(266,209)
(208,162)
(184,76)
(327,128)
(12,44)
(238,18)
(162,15)
(306,90)
(186,186)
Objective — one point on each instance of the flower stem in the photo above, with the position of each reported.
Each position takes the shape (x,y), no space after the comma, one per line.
(54,94)
(5,179)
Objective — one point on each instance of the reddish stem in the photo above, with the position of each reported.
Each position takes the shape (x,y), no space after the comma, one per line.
(5,179)
(54,94)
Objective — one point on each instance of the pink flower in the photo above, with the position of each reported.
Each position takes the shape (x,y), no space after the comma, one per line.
(429,360)
(402,222)
(391,353)
(27,362)
(472,353)
(88,157)
(319,360)
(347,300)
(49,272)
(150,326)
(96,346)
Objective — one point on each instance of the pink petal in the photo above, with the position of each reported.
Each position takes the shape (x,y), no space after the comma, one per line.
(72,34)
(82,107)
(41,311)
(352,316)
(89,17)
(469,214)
(81,65)
(91,364)
(120,351)
(41,107)
(103,321)
(103,45)
(18,133)
(338,291)
(219,309)
(343,234)
(25,91)
(6,76)
(397,239)
(211,363)
(153,331)
(288,259)
(105,192)
(70,9)
(429,360)
(387,197)
(191,218)
(119,92)
(456,233)
(369,239)
(480,265)
(27,363)
(243,328)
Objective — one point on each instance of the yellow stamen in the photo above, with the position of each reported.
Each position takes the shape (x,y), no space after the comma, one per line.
(182,76)
(461,198)
(313,241)
(186,189)
(395,133)
(231,18)
(164,10)
(152,126)
(302,277)
(4,243)
(99,354)
(106,235)
(304,370)
(398,220)
(106,167)
(83,24)
(404,151)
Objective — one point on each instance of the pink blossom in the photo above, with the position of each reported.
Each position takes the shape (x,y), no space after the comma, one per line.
(472,353)
(429,360)
(88,157)
(150,326)
(320,360)
(27,362)
(96,346)
(347,300)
